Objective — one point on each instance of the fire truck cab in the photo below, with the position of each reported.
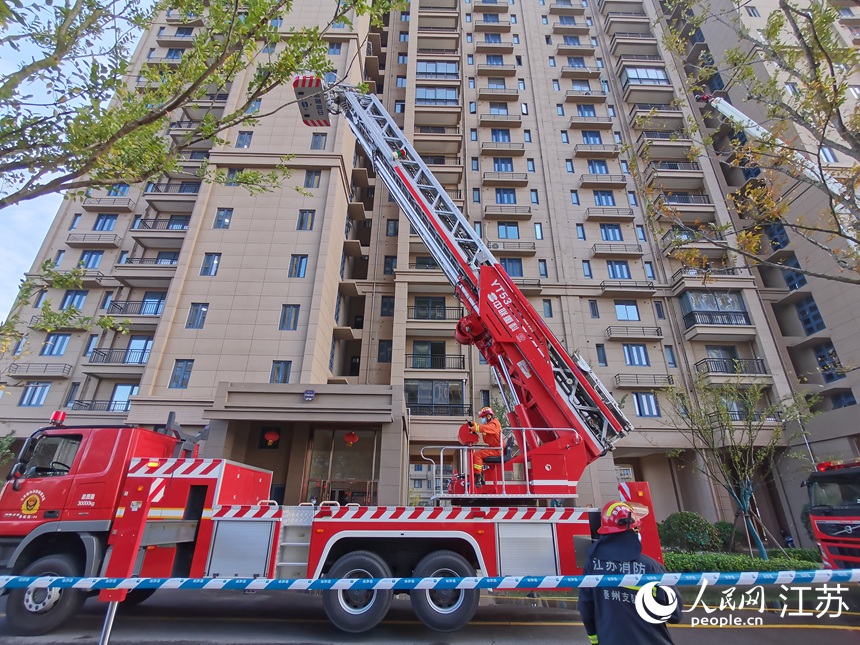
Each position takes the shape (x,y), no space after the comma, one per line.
(834,512)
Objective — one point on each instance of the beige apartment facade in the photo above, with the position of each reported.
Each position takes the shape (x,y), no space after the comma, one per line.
(286,322)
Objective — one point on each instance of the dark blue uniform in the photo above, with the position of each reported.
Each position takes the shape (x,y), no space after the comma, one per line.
(609,614)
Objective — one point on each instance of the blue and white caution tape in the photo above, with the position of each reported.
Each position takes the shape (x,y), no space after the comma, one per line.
(819,576)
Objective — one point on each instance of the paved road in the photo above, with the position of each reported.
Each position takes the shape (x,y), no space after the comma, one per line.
(286,618)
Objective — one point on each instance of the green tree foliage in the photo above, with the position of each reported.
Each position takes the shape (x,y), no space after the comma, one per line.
(735,435)
(688,531)
(73,117)
(790,71)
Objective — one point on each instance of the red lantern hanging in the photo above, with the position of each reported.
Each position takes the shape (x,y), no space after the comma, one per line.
(350,438)
(271,437)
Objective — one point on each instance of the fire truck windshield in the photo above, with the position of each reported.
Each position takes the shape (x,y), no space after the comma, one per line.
(834,493)
(49,455)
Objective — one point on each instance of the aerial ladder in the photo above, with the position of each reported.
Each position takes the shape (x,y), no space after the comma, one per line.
(567,418)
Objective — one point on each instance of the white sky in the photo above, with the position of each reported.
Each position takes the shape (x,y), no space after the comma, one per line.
(22,230)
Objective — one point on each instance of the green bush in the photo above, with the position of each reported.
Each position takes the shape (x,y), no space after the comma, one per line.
(688,531)
(807,555)
(725,562)
(724,532)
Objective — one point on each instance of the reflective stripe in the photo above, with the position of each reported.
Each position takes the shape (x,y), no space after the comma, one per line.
(592,639)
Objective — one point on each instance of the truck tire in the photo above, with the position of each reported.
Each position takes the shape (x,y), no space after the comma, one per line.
(444,610)
(358,610)
(30,612)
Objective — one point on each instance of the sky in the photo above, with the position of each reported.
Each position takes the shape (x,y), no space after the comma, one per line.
(22,230)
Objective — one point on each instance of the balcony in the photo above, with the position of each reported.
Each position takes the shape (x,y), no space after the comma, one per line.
(529,286)
(734,370)
(648,90)
(500,94)
(112,204)
(632,42)
(657,116)
(754,418)
(585,96)
(92,405)
(718,278)
(607,6)
(690,209)
(596,150)
(432,321)
(644,380)
(579,28)
(430,38)
(566,8)
(447,170)
(509,248)
(429,362)
(627,288)
(482,6)
(662,145)
(497,70)
(426,312)
(675,175)
(169,40)
(505,212)
(439,410)
(445,113)
(719,326)
(177,198)
(607,214)
(583,72)
(438,19)
(591,122)
(583,49)
(597,180)
(505,179)
(613,250)
(160,233)
(625,21)
(437,140)
(622,332)
(93,240)
(498,27)
(504,47)
(497,120)
(116,363)
(145,273)
(142,314)
(41,370)
(76,324)
(503,148)
(693,240)
(436,79)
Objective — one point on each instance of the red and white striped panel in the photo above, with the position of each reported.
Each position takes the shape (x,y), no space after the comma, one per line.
(450,514)
(246,512)
(184,468)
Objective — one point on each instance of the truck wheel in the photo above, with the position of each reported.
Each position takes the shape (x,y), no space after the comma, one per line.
(445,610)
(30,612)
(358,610)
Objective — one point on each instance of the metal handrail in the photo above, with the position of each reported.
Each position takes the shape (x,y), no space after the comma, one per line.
(731,366)
(429,312)
(632,331)
(125,356)
(136,308)
(740,318)
(644,379)
(159,225)
(45,369)
(431,362)
(151,261)
(616,248)
(93,405)
(437,410)
(702,273)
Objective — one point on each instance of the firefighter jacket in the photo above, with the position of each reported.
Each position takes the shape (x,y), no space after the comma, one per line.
(609,614)
(491,433)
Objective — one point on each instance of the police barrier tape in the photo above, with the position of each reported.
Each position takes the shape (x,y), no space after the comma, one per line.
(499,582)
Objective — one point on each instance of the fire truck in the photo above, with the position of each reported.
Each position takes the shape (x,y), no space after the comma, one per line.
(834,512)
(129,501)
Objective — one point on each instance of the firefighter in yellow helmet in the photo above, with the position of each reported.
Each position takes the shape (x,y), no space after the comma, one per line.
(490,431)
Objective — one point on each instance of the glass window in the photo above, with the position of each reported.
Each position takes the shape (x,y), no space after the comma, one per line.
(500,135)
(318,140)
(564,137)
(527,136)
(618,269)
(509,231)
(631,198)
(90,259)
(793,279)
(386,306)
(105,222)
(211,262)
(809,315)
(334,48)
(298,266)
(574,197)
(538,231)
(610,233)
(670,356)
(312,178)
(534,196)
(506,196)
(503,164)
(513,266)
(580,231)
(649,270)
(243,139)
(626,310)
(91,344)
(383,354)
(289,317)
(392,227)
(55,344)
(586,269)
(74,299)
(197,315)
(181,374)
(828,362)
(843,400)
(640,232)
(598,167)
(601,355)
(592,307)
(306,220)
(280,372)
(389,265)
(646,404)
(604,198)
(34,394)
(542,269)
(547,308)
(476,195)
(530,165)
(222,218)
(658,310)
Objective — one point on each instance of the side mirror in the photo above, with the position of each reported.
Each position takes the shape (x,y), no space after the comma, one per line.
(16,475)
(804,484)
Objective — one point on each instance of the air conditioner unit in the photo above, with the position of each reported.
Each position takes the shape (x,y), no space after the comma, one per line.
(495,245)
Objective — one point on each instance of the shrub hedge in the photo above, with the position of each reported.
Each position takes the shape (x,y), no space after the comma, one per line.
(688,531)
(807,555)
(726,562)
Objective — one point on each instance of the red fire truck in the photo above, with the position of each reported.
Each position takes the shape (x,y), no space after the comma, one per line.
(834,512)
(122,502)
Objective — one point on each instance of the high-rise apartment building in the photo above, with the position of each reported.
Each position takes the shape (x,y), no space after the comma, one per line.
(286,321)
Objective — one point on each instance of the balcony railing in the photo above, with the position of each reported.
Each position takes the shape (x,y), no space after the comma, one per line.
(658,107)
(686,199)
(161,225)
(616,248)
(124,356)
(716,318)
(434,313)
(92,405)
(439,76)
(683,236)
(444,102)
(437,410)
(689,272)
(736,416)
(630,331)
(136,308)
(40,369)
(674,165)
(151,261)
(109,202)
(94,238)
(184,125)
(658,380)
(185,188)
(424,267)
(731,366)
(432,129)
(429,362)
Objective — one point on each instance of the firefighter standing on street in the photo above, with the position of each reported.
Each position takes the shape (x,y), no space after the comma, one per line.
(490,431)
(610,615)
